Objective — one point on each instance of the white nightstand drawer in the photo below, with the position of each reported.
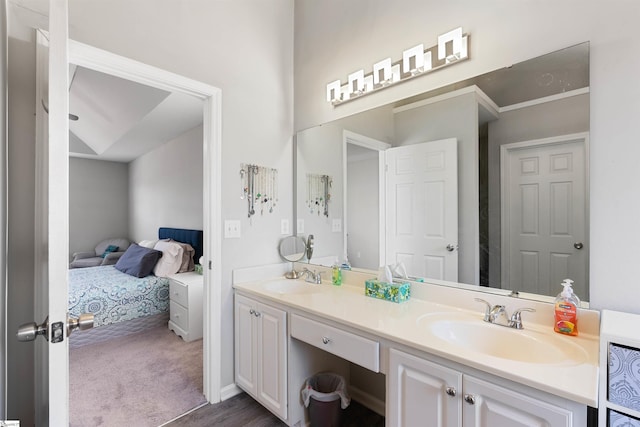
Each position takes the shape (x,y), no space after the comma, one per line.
(352,347)
(179,293)
(179,315)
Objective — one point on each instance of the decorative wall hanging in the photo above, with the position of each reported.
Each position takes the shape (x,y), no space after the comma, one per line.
(416,61)
(259,185)
(319,193)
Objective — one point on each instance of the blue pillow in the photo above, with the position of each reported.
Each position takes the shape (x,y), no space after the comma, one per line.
(138,261)
(110,248)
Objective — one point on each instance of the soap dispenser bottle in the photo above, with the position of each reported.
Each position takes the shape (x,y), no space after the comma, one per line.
(336,273)
(566,310)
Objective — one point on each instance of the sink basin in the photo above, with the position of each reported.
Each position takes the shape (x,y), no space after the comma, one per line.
(498,341)
(291,286)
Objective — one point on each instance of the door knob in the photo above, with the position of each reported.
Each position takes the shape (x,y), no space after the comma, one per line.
(82,323)
(30,331)
(451,247)
(578,245)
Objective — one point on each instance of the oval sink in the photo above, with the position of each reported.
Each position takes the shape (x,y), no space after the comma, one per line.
(290,286)
(505,343)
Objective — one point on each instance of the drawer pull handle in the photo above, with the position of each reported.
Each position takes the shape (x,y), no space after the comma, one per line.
(451,391)
(470,399)
(326,340)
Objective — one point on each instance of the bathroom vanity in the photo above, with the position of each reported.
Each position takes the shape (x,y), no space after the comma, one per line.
(443,364)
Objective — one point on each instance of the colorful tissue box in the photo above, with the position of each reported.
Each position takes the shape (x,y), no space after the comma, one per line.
(394,292)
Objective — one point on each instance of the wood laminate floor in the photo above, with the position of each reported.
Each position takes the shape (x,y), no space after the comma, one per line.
(242,410)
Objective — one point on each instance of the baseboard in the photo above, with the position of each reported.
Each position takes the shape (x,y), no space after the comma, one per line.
(229,391)
(367,400)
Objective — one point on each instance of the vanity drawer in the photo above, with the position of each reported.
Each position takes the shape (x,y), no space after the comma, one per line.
(179,315)
(352,347)
(178,292)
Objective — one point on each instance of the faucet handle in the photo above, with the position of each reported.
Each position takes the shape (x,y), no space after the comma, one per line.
(319,277)
(516,318)
(487,311)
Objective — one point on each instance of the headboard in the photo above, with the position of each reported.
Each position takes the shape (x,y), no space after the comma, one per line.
(192,237)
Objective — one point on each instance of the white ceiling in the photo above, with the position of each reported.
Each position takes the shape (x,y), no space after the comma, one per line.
(119,120)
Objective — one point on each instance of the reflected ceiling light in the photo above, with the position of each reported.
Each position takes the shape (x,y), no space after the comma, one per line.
(451,48)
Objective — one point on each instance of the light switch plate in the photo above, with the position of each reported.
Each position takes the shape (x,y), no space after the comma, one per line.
(300,226)
(232,229)
(336,225)
(284,226)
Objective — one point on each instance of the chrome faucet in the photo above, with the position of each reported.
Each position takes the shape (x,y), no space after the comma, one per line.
(497,315)
(312,276)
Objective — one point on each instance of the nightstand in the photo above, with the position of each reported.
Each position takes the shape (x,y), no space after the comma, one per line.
(185,305)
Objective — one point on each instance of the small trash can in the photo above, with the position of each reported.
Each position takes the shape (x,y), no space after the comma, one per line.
(325,394)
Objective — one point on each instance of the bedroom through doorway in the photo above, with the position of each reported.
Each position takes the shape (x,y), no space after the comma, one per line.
(115,195)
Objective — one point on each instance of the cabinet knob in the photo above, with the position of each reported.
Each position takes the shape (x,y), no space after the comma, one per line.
(326,340)
(252,311)
(451,391)
(470,399)
(257,313)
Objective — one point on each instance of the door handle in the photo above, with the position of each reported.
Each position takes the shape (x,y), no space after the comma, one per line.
(82,323)
(30,331)
(451,247)
(578,245)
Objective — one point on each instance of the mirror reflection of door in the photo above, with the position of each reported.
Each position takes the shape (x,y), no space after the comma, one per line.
(544,215)
(422,209)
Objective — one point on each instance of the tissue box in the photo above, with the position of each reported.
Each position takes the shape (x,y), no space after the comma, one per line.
(394,292)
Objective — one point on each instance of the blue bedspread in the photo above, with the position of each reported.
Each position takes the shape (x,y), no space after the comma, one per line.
(112,296)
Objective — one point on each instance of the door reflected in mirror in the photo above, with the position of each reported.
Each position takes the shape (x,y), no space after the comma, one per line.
(521,185)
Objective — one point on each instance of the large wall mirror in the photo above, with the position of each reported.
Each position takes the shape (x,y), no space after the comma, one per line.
(483,182)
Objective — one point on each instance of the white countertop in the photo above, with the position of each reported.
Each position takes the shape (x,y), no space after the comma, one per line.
(398,323)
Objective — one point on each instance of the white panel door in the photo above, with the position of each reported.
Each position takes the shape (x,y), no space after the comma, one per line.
(52,372)
(487,404)
(422,393)
(545,215)
(272,359)
(422,208)
(245,345)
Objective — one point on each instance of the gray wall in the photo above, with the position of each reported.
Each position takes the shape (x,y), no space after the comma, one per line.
(98,202)
(363,208)
(166,187)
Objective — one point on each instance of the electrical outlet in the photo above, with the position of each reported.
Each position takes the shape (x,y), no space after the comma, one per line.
(336,225)
(300,226)
(284,226)
(231,229)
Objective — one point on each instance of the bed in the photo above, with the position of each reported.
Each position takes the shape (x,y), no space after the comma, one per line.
(121,303)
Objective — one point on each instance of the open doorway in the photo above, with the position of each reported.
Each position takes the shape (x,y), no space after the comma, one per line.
(207,134)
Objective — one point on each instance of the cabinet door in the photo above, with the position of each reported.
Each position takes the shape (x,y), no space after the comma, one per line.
(487,404)
(272,359)
(422,393)
(245,345)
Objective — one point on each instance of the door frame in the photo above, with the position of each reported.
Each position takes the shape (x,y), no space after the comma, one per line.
(349,137)
(106,62)
(505,149)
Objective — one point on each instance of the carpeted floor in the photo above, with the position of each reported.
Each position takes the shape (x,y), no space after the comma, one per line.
(141,380)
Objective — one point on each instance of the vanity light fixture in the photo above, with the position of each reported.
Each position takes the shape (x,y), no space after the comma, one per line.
(416,61)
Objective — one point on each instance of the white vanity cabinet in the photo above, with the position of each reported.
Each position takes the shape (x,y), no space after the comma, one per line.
(185,305)
(261,353)
(421,392)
